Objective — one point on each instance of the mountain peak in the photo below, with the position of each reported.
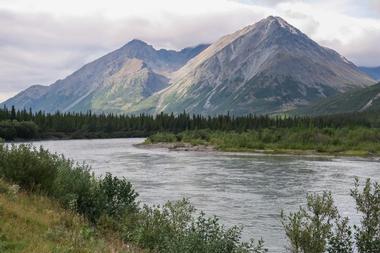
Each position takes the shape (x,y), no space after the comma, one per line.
(280,23)
(137,42)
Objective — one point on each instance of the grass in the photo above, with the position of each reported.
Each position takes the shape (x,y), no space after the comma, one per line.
(33,223)
(357,141)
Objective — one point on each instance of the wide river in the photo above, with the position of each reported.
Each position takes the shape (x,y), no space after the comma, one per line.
(240,189)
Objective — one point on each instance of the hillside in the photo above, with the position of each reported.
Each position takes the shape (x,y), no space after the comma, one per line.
(267,67)
(360,100)
(373,72)
(35,224)
(109,84)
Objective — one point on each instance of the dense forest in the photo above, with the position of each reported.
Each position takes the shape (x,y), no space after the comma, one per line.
(25,124)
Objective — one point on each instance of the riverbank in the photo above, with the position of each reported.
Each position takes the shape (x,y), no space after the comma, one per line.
(355,142)
(36,224)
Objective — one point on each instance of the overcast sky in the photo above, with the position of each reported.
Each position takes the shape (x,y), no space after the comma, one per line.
(45,40)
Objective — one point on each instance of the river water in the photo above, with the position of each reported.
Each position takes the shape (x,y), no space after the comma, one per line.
(239,188)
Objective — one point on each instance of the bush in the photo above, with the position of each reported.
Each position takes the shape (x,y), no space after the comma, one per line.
(308,229)
(319,228)
(174,228)
(73,185)
(10,130)
(368,204)
(29,167)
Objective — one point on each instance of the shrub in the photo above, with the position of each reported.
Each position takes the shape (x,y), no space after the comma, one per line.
(368,204)
(75,187)
(9,130)
(174,228)
(27,166)
(308,229)
(116,197)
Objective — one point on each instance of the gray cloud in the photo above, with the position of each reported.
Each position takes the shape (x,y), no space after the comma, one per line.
(40,48)
(375,4)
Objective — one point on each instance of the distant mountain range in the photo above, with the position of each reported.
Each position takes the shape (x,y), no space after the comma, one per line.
(268,67)
(358,100)
(373,72)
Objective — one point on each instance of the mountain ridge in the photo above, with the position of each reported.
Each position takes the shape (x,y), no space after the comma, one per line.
(267,67)
(247,59)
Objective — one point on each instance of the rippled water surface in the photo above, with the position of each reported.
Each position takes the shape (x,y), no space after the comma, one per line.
(240,189)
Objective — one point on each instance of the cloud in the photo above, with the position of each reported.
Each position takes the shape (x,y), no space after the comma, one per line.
(42,40)
(41,47)
(375,4)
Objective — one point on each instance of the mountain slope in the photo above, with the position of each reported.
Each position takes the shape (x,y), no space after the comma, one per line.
(136,69)
(264,68)
(372,72)
(268,67)
(366,99)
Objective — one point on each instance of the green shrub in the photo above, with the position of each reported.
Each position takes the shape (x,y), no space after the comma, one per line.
(367,200)
(162,137)
(308,229)
(10,130)
(29,167)
(174,227)
(116,197)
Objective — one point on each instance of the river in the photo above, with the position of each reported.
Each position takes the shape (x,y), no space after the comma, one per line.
(241,189)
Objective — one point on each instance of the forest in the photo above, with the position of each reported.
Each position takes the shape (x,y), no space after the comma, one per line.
(26,124)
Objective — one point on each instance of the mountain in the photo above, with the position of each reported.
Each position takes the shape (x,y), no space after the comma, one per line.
(111,83)
(267,67)
(358,100)
(373,72)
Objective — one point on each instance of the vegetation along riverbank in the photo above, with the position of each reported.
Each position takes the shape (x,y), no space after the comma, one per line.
(353,134)
(50,204)
(354,141)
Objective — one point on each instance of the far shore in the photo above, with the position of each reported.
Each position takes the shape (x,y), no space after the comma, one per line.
(182,146)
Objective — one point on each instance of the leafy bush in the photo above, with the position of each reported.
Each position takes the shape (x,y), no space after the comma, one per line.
(73,185)
(29,167)
(308,229)
(163,137)
(319,228)
(368,204)
(9,130)
(116,197)
(174,228)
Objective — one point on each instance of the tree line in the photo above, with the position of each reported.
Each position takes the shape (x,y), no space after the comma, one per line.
(28,124)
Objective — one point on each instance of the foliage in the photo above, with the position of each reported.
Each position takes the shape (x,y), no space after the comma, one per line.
(368,204)
(73,185)
(27,124)
(11,129)
(340,240)
(308,229)
(175,227)
(351,141)
(319,228)
(110,204)
(36,224)
(31,168)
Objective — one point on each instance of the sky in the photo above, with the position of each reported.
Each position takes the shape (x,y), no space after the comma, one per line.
(45,40)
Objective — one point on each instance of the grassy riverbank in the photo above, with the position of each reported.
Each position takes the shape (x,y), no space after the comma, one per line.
(33,223)
(62,204)
(50,204)
(358,141)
